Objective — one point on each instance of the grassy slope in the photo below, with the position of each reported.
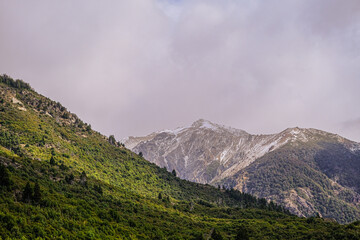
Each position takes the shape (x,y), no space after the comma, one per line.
(129,206)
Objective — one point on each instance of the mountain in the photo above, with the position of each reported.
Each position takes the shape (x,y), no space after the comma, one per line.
(59,179)
(307,170)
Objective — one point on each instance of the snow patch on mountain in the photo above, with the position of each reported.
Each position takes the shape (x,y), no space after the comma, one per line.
(208,125)
(186,159)
(174,132)
(193,151)
(223,155)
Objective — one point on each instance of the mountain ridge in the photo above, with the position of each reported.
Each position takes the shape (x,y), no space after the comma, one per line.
(211,153)
(265,142)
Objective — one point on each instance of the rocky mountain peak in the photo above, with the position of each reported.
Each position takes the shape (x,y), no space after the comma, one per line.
(208,125)
(202,123)
(207,152)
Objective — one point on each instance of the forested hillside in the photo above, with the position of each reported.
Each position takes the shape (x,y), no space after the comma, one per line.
(59,179)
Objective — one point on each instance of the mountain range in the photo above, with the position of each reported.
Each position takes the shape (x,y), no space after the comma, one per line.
(308,171)
(60,179)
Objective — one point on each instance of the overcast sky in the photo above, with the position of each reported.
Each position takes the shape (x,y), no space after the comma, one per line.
(132,67)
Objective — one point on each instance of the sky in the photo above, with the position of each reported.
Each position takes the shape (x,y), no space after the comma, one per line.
(133,67)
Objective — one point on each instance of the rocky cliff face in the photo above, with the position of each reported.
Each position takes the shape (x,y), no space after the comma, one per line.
(300,160)
(206,152)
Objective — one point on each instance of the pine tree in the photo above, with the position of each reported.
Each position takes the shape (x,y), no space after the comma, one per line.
(83,178)
(27,193)
(198,236)
(52,161)
(4,177)
(242,234)
(173,172)
(112,140)
(37,193)
(216,235)
(69,179)
(98,188)
(52,152)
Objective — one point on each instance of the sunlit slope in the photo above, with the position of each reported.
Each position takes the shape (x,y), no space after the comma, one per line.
(38,128)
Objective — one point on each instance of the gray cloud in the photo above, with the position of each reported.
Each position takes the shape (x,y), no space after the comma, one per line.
(133,67)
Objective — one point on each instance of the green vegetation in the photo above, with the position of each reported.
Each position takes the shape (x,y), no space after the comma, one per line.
(98,210)
(14,83)
(338,162)
(296,175)
(62,180)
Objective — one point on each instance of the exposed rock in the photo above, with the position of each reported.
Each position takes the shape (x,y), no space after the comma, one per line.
(208,153)
(308,170)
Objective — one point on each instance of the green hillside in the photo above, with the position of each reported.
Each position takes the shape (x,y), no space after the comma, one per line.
(59,179)
(307,178)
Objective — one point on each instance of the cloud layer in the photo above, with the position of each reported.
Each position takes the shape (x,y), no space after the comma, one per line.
(133,67)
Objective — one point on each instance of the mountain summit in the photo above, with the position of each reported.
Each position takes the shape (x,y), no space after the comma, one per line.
(205,152)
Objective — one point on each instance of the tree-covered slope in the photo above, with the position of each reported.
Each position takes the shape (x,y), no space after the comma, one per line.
(38,128)
(61,180)
(81,207)
(307,178)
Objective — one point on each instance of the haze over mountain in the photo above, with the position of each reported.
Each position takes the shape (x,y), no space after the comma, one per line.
(257,65)
(288,167)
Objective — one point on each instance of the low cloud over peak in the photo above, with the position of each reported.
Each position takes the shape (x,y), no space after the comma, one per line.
(133,67)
